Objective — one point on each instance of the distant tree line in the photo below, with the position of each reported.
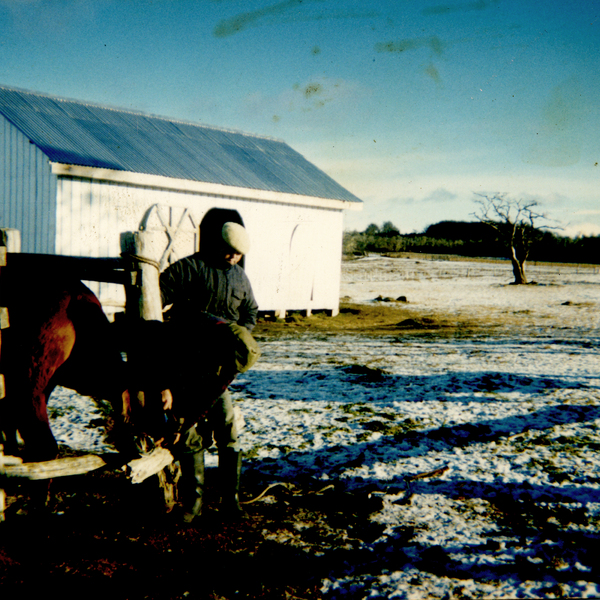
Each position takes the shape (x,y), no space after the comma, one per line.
(471,239)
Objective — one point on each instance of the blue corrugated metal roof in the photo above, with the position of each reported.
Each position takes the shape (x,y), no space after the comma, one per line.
(86,134)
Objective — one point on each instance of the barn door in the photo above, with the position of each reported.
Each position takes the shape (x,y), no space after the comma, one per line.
(211,226)
(303,262)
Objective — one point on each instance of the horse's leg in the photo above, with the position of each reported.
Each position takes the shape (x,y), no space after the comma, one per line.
(54,345)
(34,428)
(51,349)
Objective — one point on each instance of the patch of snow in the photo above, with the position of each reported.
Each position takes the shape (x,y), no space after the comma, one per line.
(513,417)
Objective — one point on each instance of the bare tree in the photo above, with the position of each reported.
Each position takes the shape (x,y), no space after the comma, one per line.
(515,223)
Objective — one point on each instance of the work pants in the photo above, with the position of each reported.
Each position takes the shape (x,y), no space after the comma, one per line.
(219,427)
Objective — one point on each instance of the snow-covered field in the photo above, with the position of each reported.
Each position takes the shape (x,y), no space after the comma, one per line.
(507,419)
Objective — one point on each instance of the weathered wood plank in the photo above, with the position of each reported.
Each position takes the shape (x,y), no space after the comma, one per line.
(3,460)
(61,467)
(139,469)
(3,325)
(11,239)
(149,464)
(9,461)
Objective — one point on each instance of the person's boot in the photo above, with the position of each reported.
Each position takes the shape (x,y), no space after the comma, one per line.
(192,475)
(230,468)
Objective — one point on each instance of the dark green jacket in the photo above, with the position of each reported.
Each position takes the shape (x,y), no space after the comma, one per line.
(191,285)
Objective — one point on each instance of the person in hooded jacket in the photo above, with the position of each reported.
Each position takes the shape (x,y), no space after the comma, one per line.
(201,288)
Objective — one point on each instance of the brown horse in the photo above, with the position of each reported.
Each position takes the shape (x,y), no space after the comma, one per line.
(58,335)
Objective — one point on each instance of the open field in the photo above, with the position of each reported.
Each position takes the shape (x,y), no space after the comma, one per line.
(441,446)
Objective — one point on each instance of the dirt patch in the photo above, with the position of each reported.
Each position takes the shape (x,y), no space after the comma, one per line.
(104,535)
(381,318)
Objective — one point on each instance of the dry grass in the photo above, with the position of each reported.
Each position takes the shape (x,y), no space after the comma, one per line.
(383,318)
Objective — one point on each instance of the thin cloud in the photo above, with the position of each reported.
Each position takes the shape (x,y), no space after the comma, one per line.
(440,196)
(582,229)
(587,212)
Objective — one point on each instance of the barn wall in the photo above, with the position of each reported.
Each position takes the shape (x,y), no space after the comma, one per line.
(27,190)
(294,263)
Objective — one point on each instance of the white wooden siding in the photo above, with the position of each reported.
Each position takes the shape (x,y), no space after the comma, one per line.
(27,190)
(294,262)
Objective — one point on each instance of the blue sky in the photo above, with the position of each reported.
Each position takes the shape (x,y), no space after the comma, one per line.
(414,106)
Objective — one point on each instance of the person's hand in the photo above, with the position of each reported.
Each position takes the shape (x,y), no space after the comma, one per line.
(167,399)
(126,406)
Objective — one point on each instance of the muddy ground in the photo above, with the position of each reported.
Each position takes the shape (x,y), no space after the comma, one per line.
(103,536)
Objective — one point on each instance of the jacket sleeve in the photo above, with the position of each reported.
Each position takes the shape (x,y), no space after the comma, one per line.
(248,310)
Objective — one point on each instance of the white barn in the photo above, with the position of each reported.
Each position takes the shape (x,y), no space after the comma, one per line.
(75,175)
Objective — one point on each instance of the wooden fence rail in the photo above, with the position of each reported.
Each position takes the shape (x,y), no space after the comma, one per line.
(138,469)
(110,270)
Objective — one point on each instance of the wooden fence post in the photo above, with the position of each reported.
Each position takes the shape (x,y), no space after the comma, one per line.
(10,241)
(2,492)
(144,249)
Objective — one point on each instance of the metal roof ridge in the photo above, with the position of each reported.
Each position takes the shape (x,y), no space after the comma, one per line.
(141,113)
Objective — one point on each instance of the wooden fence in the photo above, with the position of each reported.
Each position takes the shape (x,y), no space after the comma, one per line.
(138,271)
